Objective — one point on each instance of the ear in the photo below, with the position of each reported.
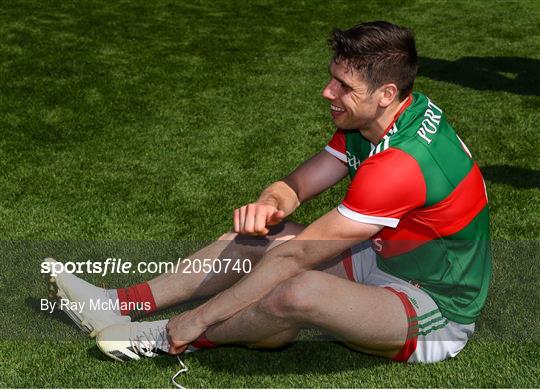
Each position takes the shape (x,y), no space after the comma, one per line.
(388,95)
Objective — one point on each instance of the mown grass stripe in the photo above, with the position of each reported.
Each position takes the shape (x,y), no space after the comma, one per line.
(154,120)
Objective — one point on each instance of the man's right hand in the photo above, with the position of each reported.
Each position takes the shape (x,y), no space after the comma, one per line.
(255,218)
(281,198)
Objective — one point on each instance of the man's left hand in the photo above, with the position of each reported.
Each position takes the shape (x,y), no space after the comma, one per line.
(182,330)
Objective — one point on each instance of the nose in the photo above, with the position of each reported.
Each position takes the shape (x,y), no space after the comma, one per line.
(329,92)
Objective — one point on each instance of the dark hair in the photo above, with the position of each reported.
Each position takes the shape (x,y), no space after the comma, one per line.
(381,52)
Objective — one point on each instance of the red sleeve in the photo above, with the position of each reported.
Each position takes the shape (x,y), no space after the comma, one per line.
(337,147)
(386,187)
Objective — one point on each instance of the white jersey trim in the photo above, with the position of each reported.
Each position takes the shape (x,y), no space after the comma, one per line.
(465,148)
(335,153)
(351,214)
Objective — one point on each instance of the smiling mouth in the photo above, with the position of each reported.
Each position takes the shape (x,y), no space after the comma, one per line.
(336,108)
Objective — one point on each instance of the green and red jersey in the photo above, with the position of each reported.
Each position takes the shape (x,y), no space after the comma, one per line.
(421,183)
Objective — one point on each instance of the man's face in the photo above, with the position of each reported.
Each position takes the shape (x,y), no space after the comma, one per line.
(351,105)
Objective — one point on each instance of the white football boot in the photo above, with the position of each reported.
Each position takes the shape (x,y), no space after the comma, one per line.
(124,342)
(67,288)
(136,340)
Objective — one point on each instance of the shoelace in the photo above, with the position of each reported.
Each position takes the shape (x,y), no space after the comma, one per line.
(181,371)
(147,342)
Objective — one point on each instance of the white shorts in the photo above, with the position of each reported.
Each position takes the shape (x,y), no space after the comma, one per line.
(431,336)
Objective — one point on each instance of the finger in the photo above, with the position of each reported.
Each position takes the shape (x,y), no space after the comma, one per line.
(250,218)
(176,348)
(276,218)
(242,219)
(260,222)
(236,219)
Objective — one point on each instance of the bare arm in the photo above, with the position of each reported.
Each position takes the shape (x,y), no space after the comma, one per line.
(281,198)
(316,175)
(322,240)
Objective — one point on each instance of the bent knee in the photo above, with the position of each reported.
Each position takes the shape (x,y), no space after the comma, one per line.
(294,297)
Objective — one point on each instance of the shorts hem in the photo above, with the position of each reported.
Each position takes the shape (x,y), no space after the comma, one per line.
(412,339)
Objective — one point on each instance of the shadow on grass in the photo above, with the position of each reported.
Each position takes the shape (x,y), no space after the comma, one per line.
(510,74)
(515,176)
(302,357)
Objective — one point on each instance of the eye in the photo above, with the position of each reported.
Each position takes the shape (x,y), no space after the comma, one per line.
(345,87)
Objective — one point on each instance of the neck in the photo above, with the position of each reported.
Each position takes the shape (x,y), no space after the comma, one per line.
(384,119)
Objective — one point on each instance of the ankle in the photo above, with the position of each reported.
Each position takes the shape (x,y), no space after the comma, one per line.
(202,342)
(136,301)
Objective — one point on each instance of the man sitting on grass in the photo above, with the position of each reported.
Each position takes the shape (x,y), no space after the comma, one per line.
(412,293)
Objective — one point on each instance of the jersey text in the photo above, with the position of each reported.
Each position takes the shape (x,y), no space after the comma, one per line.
(431,122)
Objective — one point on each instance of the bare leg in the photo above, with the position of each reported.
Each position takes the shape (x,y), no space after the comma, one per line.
(367,318)
(174,288)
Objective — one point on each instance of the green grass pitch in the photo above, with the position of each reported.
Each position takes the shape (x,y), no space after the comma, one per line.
(150,121)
